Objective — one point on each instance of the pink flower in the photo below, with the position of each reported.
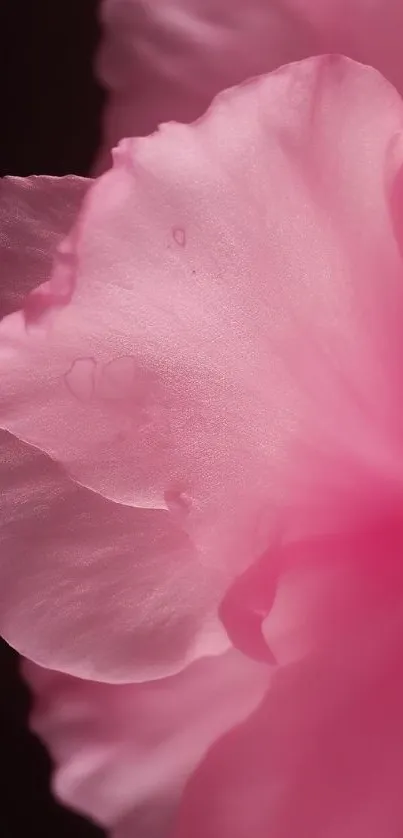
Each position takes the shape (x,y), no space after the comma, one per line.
(202,444)
(167,59)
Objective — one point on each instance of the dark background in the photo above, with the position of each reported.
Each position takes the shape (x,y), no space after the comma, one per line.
(49,124)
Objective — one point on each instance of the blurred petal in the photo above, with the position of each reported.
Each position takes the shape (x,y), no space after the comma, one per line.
(36,213)
(229,347)
(123,753)
(323,754)
(167,59)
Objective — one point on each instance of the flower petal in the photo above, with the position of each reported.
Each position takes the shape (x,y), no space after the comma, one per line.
(229,347)
(167,59)
(93,588)
(123,753)
(85,586)
(322,755)
(36,213)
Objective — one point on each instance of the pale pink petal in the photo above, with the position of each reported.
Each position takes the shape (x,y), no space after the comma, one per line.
(323,754)
(36,213)
(84,585)
(229,347)
(123,753)
(95,588)
(167,59)
(70,605)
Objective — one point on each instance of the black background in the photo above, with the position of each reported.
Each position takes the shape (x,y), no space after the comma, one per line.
(49,124)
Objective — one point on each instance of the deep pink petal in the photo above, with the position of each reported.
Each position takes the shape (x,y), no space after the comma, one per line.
(229,348)
(323,754)
(167,59)
(123,753)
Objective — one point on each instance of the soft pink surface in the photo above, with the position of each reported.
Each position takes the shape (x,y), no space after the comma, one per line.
(217,358)
(123,753)
(103,590)
(166,59)
(322,756)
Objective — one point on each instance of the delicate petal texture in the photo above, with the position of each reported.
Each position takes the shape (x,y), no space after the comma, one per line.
(123,753)
(91,587)
(228,347)
(86,586)
(322,757)
(167,59)
(36,213)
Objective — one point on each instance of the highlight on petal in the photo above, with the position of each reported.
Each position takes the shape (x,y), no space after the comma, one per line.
(230,356)
(36,214)
(123,753)
(322,754)
(167,59)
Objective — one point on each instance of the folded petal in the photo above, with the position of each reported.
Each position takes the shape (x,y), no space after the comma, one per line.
(123,753)
(228,349)
(167,59)
(94,588)
(322,755)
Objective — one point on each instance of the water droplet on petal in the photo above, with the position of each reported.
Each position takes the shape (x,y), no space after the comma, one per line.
(177,501)
(80,378)
(179,236)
